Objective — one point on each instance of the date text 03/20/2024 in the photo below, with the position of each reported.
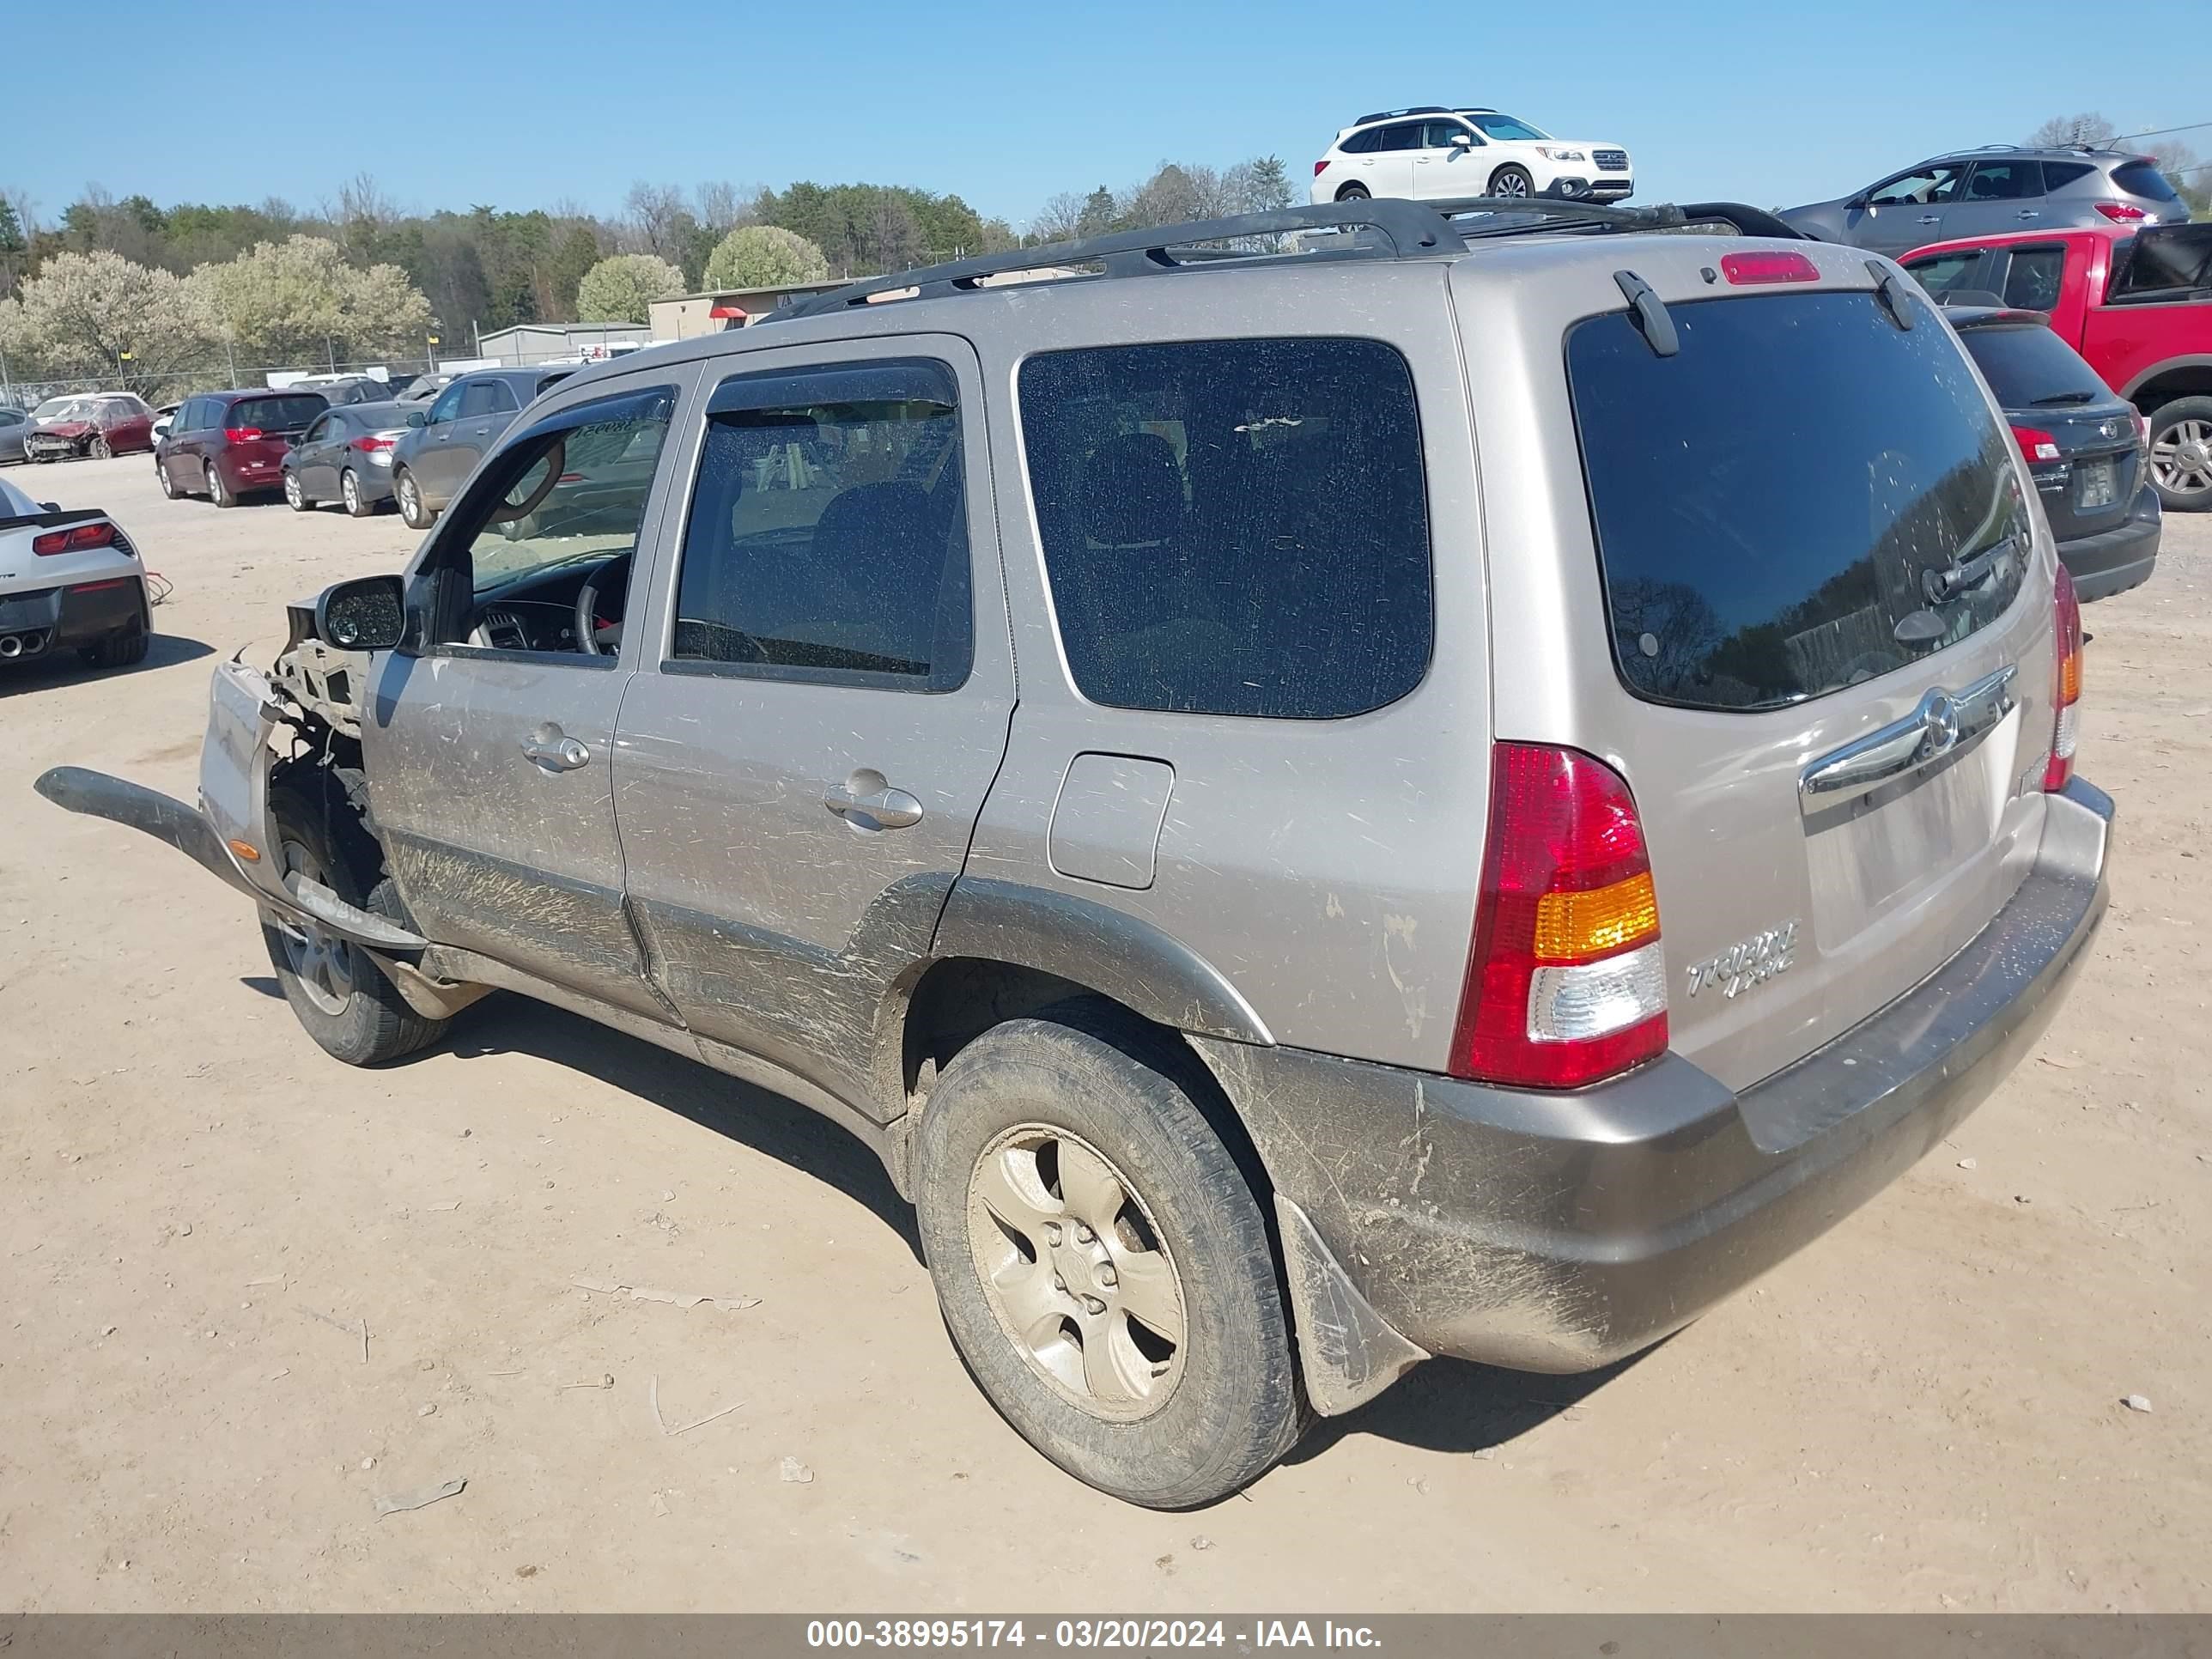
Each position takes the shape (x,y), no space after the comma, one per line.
(1140,1634)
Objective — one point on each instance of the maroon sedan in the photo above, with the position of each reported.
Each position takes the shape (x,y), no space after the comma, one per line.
(225,445)
(95,424)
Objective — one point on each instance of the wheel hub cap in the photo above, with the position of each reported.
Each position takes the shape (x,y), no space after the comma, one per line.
(1073,1266)
(322,964)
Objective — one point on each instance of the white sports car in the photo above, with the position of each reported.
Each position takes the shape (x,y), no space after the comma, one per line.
(69,581)
(1435,153)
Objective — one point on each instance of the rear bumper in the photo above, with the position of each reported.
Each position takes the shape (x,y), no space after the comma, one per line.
(59,618)
(2115,560)
(1562,1232)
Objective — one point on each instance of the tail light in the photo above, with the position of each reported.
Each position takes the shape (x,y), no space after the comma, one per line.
(1321,166)
(2066,689)
(1565,984)
(77,538)
(2143,430)
(2122,213)
(2035,443)
(375,442)
(238,434)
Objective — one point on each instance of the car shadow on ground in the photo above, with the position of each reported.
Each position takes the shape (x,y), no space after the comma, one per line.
(1451,1406)
(753,1117)
(66,668)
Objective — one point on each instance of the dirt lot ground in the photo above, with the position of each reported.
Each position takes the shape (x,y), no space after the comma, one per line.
(198,1211)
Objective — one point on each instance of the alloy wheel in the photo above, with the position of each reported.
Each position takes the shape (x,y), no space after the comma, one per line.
(349,488)
(1072,1265)
(322,963)
(1511,185)
(2181,460)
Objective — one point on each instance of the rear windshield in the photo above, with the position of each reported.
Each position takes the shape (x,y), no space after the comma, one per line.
(275,414)
(2141,179)
(2028,367)
(1783,507)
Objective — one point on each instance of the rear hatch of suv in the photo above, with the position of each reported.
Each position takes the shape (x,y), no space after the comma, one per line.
(257,431)
(2081,442)
(1801,530)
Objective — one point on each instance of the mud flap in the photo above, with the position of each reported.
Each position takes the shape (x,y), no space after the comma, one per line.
(234,764)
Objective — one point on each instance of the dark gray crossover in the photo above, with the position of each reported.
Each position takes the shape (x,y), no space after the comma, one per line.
(1464,790)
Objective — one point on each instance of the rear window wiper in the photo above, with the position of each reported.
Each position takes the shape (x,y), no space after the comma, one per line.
(2056,397)
(1943,585)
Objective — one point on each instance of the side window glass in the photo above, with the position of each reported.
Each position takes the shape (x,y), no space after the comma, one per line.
(1405,135)
(561,506)
(2004,181)
(827,539)
(2033,279)
(1360,144)
(1233,526)
(448,404)
(1441,134)
(481,398)
(317,432)
(1945,271)
(1929,185)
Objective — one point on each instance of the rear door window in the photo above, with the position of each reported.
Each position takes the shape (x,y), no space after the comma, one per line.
(276,413)
(1796,501)
(1940,273)
(828,532)
(2056,176)
(1233,526)
(2004,181)
(2033,277)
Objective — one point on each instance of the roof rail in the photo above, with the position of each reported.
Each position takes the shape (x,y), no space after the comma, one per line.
(1412,109)
(1387,228)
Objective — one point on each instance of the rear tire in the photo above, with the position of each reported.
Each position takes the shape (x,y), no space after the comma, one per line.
(412,508)
(122,648)
(294,497)
(349,493)
(1352,193)
(218,491)
(1138,1205)
(2181,454)
(342,998)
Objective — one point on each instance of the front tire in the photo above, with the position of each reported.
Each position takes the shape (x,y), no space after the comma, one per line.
(1102,1261)
(1512,181)
(2181,454)
(413,509)
(342,998)
(168,484)
(218,491)
(99,450)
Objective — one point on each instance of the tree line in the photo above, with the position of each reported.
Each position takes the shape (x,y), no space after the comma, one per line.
(128,288)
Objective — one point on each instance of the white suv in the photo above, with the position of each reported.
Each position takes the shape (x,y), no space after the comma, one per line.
(1439,153)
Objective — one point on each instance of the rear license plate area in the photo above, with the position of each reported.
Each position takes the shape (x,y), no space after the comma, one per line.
(2096,483)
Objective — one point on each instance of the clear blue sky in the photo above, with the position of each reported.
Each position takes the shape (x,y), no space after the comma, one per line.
(525,106)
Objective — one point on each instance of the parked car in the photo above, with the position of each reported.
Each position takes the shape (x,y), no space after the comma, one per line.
(2082,441)
(1264,989)
(345,456)
(163,417)
(1434,152)
(2137,305)
(443,446)
(338,390)
(14,425)
(229,444)
(1998,187)
(95,426)
(421,388)
(69,581)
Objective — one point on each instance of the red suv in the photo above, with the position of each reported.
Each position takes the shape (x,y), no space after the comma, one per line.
(225,445)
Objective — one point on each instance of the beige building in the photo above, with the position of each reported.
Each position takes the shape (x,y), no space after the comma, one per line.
(689,315)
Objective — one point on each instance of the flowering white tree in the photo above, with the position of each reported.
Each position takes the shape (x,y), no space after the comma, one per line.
(100,314)
(623,289)
(299,301)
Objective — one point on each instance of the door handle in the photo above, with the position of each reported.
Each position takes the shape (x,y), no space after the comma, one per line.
(2031,213)
(553,749)
(1931,218)
(880,808)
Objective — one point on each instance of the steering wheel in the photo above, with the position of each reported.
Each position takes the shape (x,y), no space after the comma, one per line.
(614,576)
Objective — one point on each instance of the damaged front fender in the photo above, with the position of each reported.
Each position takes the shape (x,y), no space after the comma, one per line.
(230,835)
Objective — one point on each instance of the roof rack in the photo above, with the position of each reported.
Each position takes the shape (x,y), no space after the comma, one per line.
(1387,228)
(1412,109)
